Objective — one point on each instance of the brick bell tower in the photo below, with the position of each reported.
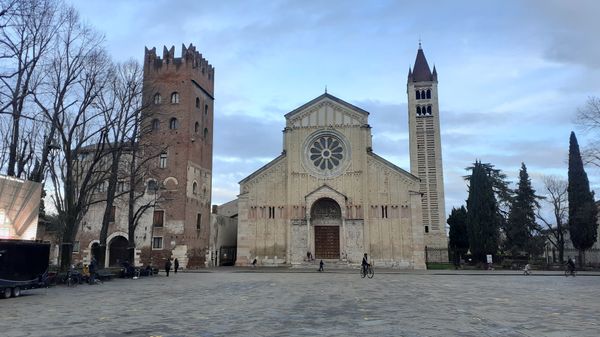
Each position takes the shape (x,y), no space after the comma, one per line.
(426,153)
(179,106)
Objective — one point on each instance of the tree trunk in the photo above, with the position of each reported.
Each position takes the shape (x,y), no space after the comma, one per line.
(131,254)
(561,251)
(66,251)
(581,258)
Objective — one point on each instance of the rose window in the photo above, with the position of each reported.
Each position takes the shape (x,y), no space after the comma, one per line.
(326,152)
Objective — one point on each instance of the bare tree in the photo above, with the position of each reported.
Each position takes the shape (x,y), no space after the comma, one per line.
(27,30)
(121,102)
(588,118)
(76,75)
(557,197)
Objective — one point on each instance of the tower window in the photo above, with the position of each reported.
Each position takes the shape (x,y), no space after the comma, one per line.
(418,94)
(162,160)
(426,229)
(152,185)
(428,94)
(205,109)
(197,127)
(384,212)
(173,124)
(205,133)
(198,221)
(197,102)
(422,94)
(157,243)
(157,98)
(175,98)
(158,218)
(195,188)
(418,111)
(155,124)
(429,110)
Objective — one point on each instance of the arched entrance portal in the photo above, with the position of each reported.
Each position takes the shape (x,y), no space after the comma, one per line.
(326,217)
(117,251)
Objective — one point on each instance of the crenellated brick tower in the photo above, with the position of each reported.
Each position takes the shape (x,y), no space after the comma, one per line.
(179,101)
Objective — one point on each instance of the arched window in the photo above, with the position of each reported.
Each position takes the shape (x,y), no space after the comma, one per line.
(205,109)
(197,127)
(175,97)
(418,94)
(205,133)
(422,94)
(197,102)
(152,185)
(173,124)
(418,111)
(195,188)
(157,98)
(429,110)
(155,124)
(428,94)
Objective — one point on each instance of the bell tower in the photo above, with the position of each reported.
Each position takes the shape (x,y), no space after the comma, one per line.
(426,151)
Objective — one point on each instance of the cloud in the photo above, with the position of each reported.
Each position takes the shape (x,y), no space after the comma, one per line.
(569,29)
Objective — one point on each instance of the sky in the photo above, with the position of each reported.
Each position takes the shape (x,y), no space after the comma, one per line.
(512,74)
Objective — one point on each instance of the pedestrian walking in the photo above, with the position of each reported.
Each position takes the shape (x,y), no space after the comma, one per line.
(321,264)
(92,269)
(176,265)
(168,266)
(254,263)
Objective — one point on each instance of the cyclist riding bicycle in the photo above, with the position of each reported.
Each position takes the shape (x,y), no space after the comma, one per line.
(365,264)
(571,266)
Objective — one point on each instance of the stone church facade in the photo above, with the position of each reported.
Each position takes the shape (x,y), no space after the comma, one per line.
(329,194)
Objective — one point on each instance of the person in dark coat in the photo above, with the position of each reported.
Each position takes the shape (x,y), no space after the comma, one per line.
(175,265)
(168,266)
(321,264)
(92,269)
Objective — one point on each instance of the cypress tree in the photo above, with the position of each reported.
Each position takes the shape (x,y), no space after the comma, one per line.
(459,239)
(483,216)
(521,226)
(582,208)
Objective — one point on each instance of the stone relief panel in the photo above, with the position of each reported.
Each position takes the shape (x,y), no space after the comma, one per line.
(354,240)
(299,241)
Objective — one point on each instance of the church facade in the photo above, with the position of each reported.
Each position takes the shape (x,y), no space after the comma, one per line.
(330,196)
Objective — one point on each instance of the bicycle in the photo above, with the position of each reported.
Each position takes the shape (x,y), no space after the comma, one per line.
(369,272)
(71,279)
(570,272)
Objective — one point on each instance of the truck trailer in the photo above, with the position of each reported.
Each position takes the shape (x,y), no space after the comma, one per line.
(23,265)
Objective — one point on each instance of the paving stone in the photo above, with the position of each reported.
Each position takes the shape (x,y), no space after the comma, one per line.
(230,303)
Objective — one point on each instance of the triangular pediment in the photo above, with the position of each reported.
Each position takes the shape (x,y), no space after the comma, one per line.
(325,190)
(327,110)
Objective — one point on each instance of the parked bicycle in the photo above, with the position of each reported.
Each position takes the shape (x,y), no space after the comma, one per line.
(368,271)
(72,278)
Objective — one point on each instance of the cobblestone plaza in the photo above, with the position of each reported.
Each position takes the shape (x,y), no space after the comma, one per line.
(234,302)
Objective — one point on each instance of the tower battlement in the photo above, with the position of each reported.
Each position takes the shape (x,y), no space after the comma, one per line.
(190,59)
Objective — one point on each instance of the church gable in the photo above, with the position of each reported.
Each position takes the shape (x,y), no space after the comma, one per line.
(377,162)
(326,110)
(274,167)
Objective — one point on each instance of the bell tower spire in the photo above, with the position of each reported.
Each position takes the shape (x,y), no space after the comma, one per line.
(426,149)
